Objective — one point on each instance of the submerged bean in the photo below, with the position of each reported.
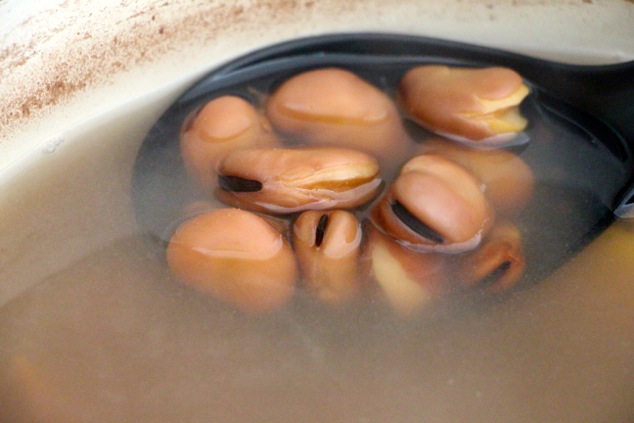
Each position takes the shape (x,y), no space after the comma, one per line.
(234,256)
(407,280)
(289,180)
(335,107)
(224,124)
(434,205)
(509,181)
(327,245)
(479,106)
(498,264)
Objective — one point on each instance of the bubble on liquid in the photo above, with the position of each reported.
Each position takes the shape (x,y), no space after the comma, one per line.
(51,145)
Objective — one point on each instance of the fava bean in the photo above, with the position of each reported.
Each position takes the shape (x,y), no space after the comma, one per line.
(479,106)
(327,245)
(290,180)
(234,256)
(223,125)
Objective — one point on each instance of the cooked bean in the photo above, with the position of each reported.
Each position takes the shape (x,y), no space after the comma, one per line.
(234,256)
(435,205)
(472,105)
(327,245)
(499,262)
(508,179)
(224,124)
(298,179)
(409,281)
(335,107)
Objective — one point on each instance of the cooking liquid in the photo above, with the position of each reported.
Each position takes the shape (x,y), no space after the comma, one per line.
(565,147)
(113,337)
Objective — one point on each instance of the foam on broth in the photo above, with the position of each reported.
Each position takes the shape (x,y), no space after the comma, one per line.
(111,337)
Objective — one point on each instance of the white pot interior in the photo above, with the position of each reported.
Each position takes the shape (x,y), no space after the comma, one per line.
(91,329)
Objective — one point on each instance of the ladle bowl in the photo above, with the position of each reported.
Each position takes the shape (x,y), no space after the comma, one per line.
(580,136)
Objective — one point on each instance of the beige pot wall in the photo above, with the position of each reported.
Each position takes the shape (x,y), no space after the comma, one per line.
(63,61)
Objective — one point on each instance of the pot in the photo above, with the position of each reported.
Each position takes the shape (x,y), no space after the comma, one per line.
(92,329)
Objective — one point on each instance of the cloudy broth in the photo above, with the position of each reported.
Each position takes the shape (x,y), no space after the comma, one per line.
(567,208)
(113,337)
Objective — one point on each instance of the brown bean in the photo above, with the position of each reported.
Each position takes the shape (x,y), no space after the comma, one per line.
(435,205)
(407,280)
(224,124)
(234,256)
(327,245)
(498,264)
(289,180)
(508,179)
(469,105)
(335,107)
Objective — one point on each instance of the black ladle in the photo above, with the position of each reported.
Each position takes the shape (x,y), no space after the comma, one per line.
(590,107)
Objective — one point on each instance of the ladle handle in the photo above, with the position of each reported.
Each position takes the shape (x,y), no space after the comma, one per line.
(605,92)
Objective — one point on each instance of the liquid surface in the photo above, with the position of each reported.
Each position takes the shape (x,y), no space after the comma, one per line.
(113,337)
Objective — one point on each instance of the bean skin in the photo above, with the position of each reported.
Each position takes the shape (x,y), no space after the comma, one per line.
(299,179)
(435,205)
(476,106)
(223,125)
(328,245)
(234,256)
(335,107)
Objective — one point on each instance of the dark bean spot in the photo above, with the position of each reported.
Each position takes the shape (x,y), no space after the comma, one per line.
(321,230)
(238,184)
(492,278)
(414,224)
